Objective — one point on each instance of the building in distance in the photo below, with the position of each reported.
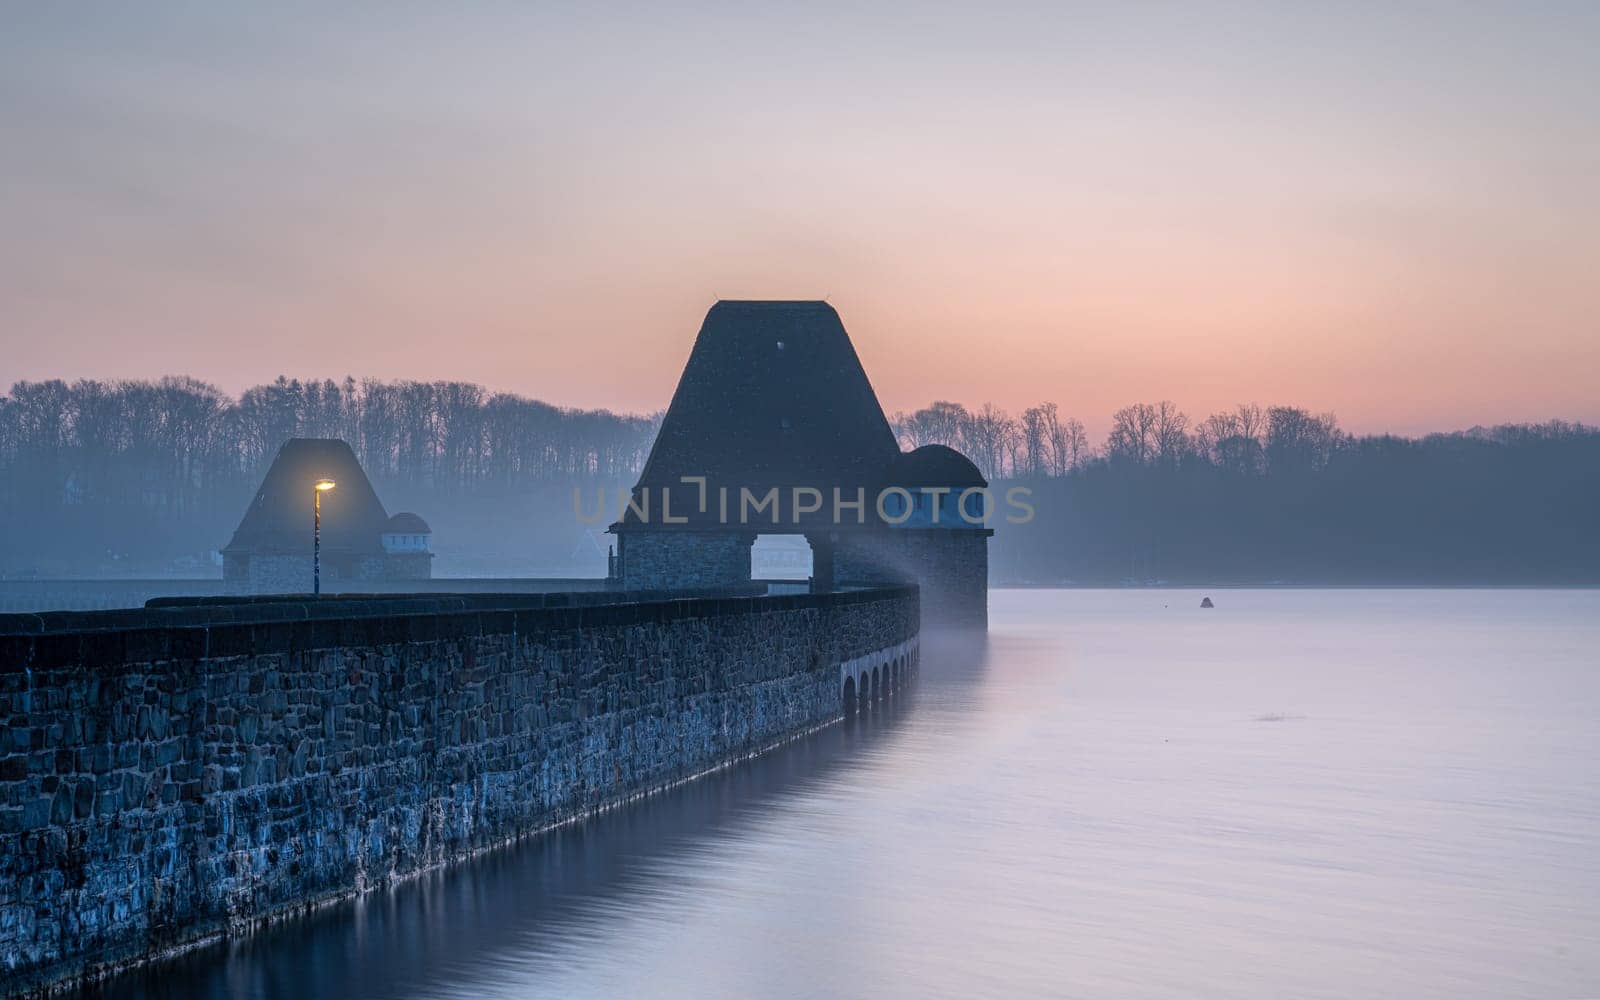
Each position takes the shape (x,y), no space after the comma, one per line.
(270,551)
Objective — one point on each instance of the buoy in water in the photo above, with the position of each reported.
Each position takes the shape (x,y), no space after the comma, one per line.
(1206,603)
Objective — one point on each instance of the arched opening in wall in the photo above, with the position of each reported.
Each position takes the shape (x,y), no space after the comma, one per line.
(849,697)
(781,560)
(877,683)
(866,689)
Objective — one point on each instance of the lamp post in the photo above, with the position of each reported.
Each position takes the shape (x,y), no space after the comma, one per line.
(322,486)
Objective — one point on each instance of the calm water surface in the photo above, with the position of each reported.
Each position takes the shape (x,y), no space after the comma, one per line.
(1339,793)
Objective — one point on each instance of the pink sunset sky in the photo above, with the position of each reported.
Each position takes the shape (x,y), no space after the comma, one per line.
(1387,211)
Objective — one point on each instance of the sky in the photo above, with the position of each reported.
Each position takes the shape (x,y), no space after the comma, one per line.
(1389,211)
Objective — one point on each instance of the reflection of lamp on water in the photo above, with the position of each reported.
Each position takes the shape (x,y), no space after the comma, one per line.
(322,486)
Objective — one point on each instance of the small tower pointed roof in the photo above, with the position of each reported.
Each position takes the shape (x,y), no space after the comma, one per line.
(278,520)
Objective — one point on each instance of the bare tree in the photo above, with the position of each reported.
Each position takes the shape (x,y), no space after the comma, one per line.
(989,439)
(1037,459)
(1169,433)
(1074,446)
(1132,437)
(941,422)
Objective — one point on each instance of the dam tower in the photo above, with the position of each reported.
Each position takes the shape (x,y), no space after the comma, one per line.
(774,428)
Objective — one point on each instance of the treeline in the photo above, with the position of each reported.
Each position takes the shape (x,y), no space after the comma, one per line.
(93,474)
(1278,494)
(1248,439)
(169,443)
(141,478)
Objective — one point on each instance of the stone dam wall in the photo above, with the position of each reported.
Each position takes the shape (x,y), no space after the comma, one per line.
(177,773)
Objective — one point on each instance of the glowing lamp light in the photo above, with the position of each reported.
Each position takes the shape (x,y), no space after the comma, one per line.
(320,487)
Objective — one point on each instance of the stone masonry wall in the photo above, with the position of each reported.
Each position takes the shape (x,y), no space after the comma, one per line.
(291,574)
(951,565)
(165,784)
(684,560)
(408,566)
(953,572)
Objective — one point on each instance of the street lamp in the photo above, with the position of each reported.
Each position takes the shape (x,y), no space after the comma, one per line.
(322,486)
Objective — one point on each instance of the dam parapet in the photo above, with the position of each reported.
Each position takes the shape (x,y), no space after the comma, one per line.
(177,773)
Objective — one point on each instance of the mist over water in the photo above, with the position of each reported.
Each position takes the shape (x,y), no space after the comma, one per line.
(1300,793)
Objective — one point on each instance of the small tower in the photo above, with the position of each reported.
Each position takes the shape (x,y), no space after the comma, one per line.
(271,550)
(934,499)
(406,547)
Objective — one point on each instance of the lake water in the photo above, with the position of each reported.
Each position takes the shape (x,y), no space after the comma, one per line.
(1300,793)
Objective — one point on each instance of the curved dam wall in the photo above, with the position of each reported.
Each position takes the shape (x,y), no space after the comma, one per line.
(174,774)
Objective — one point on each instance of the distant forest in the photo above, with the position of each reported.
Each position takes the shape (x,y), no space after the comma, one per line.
(149,478)
(1276,494)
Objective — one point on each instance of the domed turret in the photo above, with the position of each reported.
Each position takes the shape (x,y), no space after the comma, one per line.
(405,544)
(934,479)
(406,532)
(935,465)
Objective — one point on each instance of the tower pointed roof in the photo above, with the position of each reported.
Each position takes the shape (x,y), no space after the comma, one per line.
(773,395)
(278,520)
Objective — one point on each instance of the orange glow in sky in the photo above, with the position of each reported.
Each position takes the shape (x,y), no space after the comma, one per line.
(1393,215)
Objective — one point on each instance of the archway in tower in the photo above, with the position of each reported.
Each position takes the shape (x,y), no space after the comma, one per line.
(781,559)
